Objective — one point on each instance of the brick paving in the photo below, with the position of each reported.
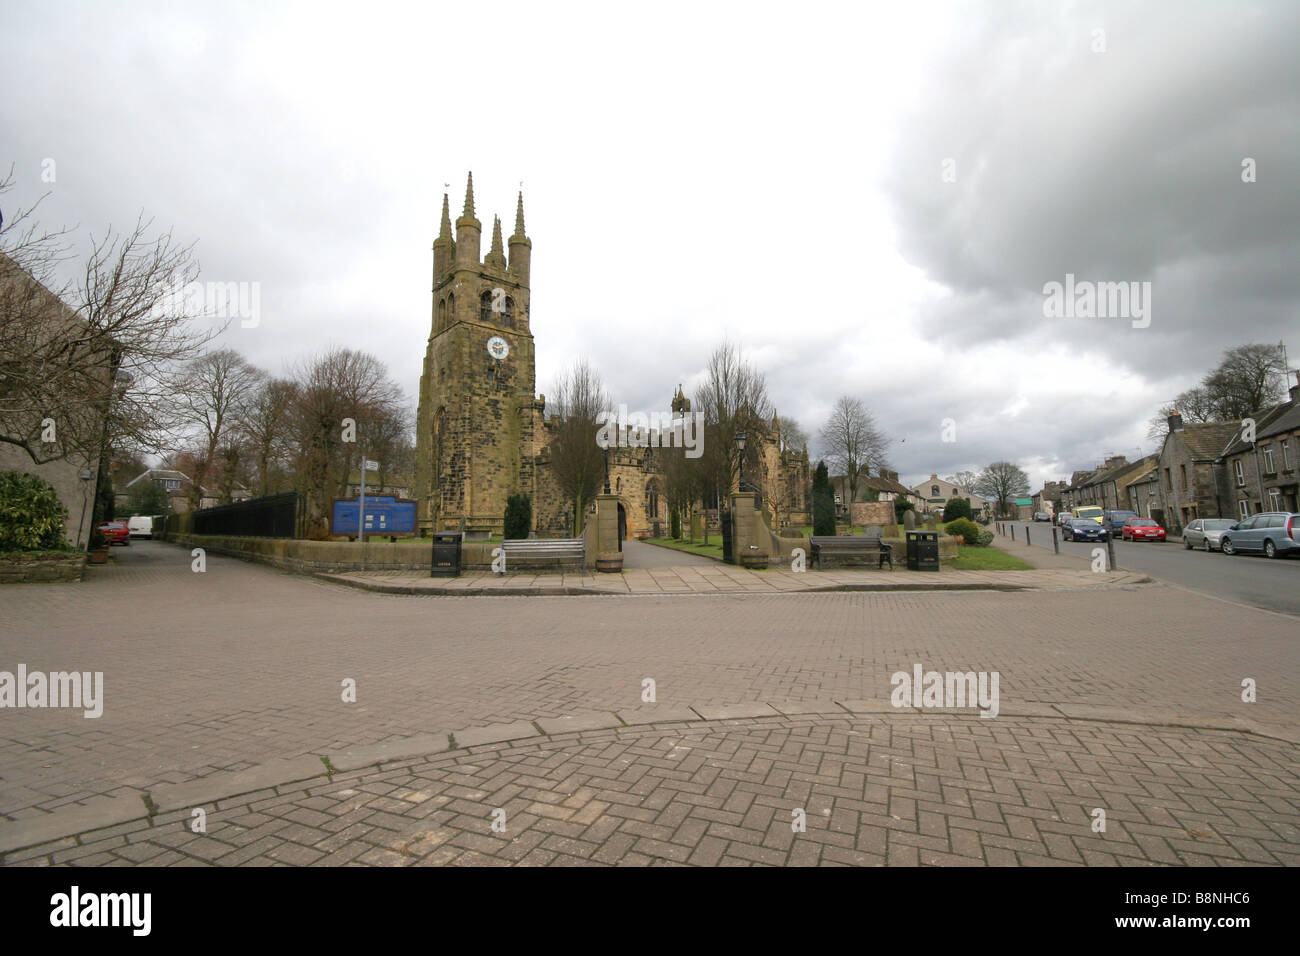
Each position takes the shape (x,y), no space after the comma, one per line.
(209,675)
(873,790)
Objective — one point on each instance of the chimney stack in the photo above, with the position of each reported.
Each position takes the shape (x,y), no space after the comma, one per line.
(1175,422)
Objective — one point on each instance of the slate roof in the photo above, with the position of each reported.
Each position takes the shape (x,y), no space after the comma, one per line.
(1205,441)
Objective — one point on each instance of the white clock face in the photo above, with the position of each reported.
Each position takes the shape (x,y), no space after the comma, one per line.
(498,348)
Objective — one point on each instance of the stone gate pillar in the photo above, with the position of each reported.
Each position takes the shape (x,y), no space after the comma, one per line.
(745,515)
(606,524)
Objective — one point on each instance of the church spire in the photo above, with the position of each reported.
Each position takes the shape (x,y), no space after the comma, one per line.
(468,230)
(496,255)
(521,247)
(469,197)
(444,231)
(519,218)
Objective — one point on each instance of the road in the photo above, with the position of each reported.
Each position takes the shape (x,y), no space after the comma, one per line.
(1273,585)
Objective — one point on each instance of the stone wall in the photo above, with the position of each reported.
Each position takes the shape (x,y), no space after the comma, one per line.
(34,567)
(334,556)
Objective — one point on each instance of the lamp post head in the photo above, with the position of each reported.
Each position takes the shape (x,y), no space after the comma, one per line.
(740,441)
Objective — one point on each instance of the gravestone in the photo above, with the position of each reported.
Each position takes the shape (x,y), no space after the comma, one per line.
(909,520)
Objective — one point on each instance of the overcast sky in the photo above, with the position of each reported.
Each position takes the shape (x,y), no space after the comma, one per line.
(867,198)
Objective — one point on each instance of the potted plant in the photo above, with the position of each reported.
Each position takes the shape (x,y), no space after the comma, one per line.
(98,548)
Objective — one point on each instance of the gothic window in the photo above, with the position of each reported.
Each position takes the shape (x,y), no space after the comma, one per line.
(508,316)
(442,314)
(485,308)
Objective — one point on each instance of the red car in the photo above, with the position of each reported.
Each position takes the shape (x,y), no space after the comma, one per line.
(1142,529)
(116,532)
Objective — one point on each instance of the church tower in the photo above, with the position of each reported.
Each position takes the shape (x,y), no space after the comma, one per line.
(474,428)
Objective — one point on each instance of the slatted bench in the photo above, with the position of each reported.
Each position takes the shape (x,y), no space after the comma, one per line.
(534,552)
(851,546)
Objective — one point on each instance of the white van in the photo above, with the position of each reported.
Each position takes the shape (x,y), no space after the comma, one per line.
(140,526)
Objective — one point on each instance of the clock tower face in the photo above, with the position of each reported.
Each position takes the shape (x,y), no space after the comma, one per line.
(498,348)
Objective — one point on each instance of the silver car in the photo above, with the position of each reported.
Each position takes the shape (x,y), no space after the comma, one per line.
(1204,533)
(1274,534)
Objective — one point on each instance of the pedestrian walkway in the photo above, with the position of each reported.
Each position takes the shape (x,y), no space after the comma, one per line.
(840,783)
(638,555)
(716,578)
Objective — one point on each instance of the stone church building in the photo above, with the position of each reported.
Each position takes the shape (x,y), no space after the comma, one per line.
(482,432)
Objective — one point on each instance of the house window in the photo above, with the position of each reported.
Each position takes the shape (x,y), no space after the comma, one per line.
(1243,509)
(1275,499)
(934,490)
(1241,475)
(1182,477)
(1268,459)
(1169,480)
(1286,456)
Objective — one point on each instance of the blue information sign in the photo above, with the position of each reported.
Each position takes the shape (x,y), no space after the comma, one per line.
(383,516)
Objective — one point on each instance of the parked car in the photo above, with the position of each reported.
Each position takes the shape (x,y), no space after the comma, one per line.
(140,526)
(1142,529)
(1271,533)
(1062,518)
(1114,520)
(1204,533)
(1042,516)
(1089,511)
(116,532)
(1084,529)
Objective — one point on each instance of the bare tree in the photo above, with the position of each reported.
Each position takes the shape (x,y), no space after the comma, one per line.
(734,400)
(852,442)
(333,388)
(1248,379)
(577,460)
(793,437)
(94,355)
(1000,482)
(1194,405)
(965,480)
(211,398)
(264,423)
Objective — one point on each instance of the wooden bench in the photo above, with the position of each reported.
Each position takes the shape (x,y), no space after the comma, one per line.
(851,546)
(544,551)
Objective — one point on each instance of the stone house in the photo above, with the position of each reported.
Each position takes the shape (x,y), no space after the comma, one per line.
(73,473)
(1189,481)
(1263,476)
(177,485)
(932,495)
(1143,491)
(1107,487)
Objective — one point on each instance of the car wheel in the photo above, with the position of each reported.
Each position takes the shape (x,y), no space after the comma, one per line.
(1225,545)
(1270,549)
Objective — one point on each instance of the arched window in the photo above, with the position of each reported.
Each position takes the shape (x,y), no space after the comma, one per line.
(652,501)
(442,314)
(485,308)
(508,316)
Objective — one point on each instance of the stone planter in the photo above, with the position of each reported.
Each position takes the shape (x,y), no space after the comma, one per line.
(610,563)
(99,556)
(753,560)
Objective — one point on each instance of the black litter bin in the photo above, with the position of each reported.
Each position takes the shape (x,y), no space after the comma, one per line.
(923,551)
(446,554)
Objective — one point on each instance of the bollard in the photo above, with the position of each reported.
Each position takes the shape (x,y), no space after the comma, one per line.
(1110,551)
(1026,536)
(1013,532)
(1056,542)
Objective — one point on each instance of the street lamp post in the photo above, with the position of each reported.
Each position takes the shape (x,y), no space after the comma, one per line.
(740,461)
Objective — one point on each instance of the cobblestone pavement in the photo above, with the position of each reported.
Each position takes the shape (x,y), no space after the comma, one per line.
(868,790)
(215,673)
